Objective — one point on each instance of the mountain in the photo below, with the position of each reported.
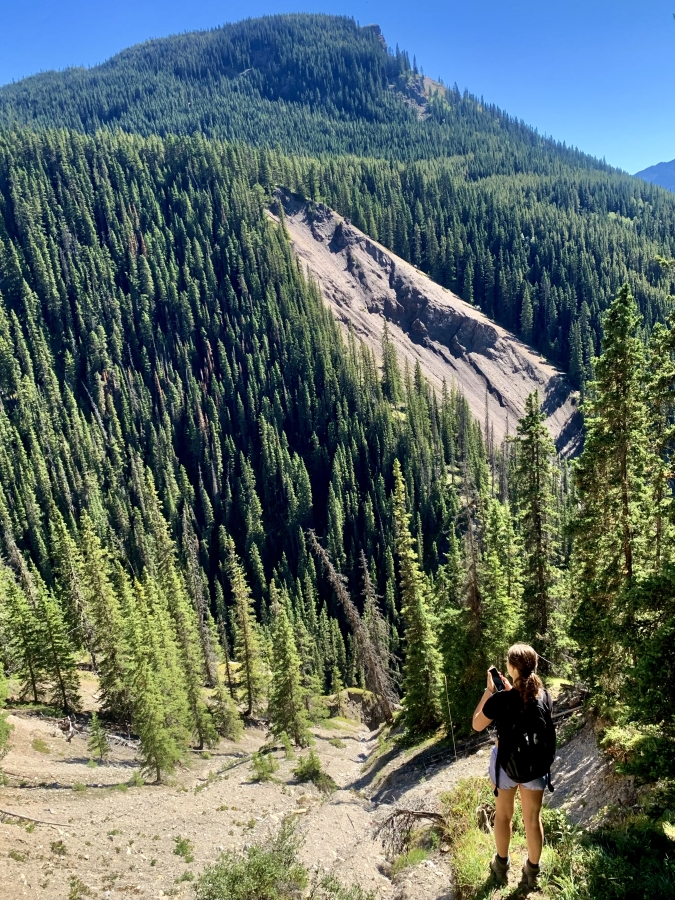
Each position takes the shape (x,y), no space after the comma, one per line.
(662,173)
(537,235)
(305,83)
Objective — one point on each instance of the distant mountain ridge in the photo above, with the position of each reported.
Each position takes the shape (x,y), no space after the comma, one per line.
(302,82)
(662,173)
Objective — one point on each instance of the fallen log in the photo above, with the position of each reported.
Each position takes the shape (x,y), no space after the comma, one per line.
(6,814)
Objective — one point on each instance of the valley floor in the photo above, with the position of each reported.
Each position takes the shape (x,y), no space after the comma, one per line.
(110,839)
(114,840)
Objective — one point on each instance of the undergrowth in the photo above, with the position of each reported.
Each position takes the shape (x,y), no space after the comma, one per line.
(630,859)
(270,871)
(309,769)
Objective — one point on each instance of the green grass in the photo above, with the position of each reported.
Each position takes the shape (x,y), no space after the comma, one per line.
(79,788)
(411,858)
(336,742)
(631,859)
(41,746)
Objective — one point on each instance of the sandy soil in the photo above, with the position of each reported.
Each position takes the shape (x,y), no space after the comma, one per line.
(364,285)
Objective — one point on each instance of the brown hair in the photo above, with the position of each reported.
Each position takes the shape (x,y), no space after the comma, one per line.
(524,659)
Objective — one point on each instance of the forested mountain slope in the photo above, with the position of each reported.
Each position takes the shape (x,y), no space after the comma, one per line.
(366,286)
(539,236)
(166,369)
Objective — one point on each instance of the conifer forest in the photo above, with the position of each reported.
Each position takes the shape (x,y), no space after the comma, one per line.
(230,509)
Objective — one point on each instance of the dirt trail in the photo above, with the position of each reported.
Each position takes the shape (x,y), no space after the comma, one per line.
(120,842)
(365,284)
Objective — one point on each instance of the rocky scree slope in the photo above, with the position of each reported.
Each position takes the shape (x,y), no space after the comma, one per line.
(364,284)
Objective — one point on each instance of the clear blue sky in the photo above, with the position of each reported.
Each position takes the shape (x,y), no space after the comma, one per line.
(595,73)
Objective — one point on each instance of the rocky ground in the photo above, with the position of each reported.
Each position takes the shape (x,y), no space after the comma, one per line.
(113,840)
(97,836)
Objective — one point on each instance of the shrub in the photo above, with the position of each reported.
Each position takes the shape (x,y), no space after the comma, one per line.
(643,751)
(265,872)
(185,849)
(309,769)
(40,746)
(264,765)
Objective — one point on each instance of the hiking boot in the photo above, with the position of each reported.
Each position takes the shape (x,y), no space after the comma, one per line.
(530,874)
(500,869)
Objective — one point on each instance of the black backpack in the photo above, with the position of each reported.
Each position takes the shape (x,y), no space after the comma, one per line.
(527,750)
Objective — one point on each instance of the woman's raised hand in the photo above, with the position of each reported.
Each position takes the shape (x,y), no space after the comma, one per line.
(507,684)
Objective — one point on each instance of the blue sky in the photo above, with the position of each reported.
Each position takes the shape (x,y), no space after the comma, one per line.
(595,73)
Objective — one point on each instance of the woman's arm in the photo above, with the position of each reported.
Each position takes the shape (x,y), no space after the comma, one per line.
(481,721)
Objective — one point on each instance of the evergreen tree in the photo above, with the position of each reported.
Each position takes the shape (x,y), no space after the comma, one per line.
(537,526)
(422,667)
(286,708)
(59,662)
(22,635)
(159,703)
(391,374)
(103,611)
(247,642)
(98,744)
(609,547)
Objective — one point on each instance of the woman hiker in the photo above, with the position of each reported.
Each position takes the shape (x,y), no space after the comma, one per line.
(522,756)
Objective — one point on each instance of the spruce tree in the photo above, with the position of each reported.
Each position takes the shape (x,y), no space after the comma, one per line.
(169,588)
(286,708)
(537,525)
(422,667)
(59,662)
(22,635)
(101,605)
(98,744)
(609,525)
(247,642)
(160,708)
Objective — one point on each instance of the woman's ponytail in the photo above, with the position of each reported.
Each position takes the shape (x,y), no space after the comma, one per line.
(524,660)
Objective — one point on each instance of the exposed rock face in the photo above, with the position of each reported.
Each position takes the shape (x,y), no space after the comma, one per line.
(365,284)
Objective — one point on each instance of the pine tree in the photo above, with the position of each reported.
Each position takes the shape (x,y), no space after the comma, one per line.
(338,689)
(247,642)
(98,744)
(537,525)
(169,589)
(422,668)
(609,548)
(286,708)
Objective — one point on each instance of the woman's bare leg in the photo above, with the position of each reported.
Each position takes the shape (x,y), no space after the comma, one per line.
(531,803)
(503,816)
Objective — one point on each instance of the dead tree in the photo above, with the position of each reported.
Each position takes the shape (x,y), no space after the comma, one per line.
(397,829)
(378,679)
